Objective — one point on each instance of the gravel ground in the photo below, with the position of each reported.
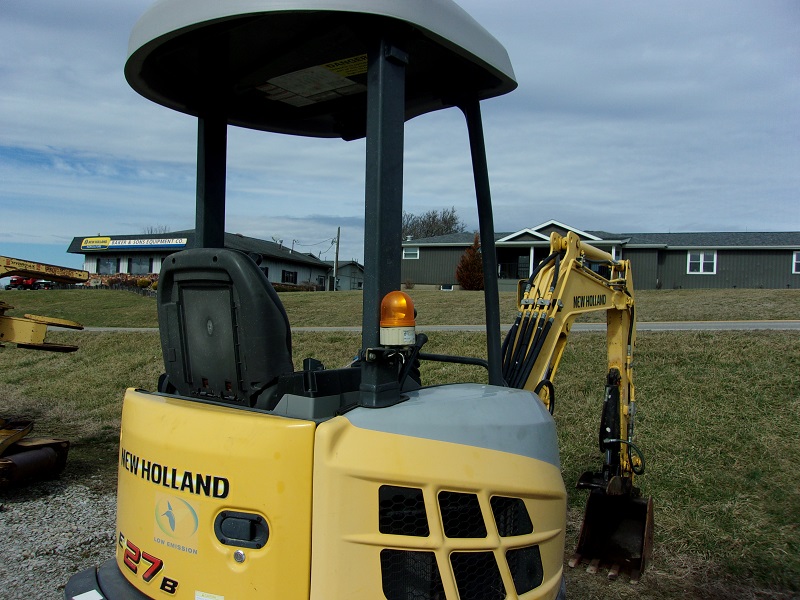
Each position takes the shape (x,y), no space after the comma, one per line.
(48,532)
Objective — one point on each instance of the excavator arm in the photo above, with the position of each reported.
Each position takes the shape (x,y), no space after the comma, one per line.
(577,278)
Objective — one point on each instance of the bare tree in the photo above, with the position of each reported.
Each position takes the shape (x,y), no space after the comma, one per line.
(150,229)
(432,223)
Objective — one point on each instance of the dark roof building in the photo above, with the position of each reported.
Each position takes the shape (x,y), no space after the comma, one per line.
(658,260)
(143,254)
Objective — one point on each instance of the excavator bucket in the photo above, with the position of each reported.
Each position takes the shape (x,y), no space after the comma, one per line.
(617,533)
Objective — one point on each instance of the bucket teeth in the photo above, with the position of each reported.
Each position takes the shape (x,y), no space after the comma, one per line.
(617,534)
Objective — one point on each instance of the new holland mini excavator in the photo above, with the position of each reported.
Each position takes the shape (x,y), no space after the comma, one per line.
(242,478)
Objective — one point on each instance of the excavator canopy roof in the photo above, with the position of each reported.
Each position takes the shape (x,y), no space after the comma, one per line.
(299,66)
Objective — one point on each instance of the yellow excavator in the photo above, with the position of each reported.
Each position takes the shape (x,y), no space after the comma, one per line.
(575,279)
(23,458)
(241,477)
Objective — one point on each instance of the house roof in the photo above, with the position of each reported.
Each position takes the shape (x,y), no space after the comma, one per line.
(466,238)
(539,235)
(712,240)
(716,239)
(344,263)
(234,241)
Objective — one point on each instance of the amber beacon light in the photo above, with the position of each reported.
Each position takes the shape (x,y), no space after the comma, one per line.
(398,327)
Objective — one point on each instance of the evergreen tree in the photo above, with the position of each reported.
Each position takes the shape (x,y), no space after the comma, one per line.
(469,272)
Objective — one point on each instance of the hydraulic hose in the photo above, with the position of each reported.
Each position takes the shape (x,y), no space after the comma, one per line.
(631,446)
(523,339)
(532,328)
(518,339)
(530,359)
(630,329)
(551,393)
(504,350)
(512,333)
(542,330)
(556,269)
(541,266)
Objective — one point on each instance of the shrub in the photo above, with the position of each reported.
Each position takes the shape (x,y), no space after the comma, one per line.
(469,272)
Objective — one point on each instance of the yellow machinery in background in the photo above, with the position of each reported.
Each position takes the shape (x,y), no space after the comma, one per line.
(21,457)
(241,477)
(30,331)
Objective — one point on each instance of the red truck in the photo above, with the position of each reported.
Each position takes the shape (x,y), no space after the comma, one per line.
(22,283)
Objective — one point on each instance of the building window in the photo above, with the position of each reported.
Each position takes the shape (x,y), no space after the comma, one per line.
(107,265)
(701,262)
(796,262)
(411,253)
(288,276)
(139,265)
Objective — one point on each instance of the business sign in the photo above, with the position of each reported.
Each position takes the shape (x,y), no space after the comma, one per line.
(95,243)
(106,243)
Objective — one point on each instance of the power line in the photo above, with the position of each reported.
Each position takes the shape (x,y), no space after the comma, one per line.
(325,241)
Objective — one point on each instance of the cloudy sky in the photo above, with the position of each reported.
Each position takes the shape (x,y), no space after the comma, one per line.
(629,117)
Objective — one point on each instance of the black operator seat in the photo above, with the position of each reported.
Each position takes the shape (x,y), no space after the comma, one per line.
(224,332)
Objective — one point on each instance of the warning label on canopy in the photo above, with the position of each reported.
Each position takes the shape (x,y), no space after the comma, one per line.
(347,67)
(318,83)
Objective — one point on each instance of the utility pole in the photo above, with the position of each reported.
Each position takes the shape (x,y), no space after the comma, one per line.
(336,259)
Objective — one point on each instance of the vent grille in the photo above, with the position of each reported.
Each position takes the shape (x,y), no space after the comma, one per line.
(410,576)
(413,573)
(461,515)
(526,568)
(401,511)
(477,576)
(511,516)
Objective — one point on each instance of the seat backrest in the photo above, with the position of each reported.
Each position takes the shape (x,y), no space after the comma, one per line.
(224,332)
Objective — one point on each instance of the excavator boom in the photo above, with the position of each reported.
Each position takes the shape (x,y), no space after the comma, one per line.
(10,267)
(577,278)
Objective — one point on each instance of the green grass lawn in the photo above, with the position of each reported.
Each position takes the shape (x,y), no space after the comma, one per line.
(719,422)
(116,308)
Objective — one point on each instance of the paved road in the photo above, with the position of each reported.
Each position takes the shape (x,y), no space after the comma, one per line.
(641,326)
(699,326)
